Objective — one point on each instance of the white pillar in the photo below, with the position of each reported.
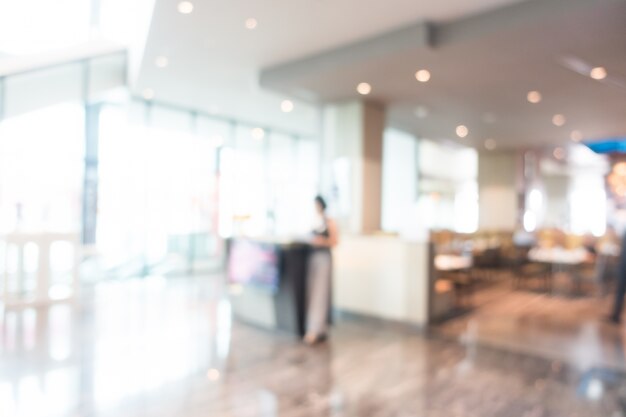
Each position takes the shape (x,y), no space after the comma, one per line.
(497,185)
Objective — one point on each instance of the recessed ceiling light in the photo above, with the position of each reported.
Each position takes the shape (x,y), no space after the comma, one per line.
(534,97)
(185,7)
(559,153)
(598,73)
(286,106)
(422,75)
(257,133)
(251,23)
(558,120)
(420,112)
(490,144)
(213,374)
(148,94)
(461,131)
(161,62)
(364,89)
(576,136)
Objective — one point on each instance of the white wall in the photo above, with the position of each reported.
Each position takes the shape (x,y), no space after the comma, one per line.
(497,191)
(399,179)
(382,277)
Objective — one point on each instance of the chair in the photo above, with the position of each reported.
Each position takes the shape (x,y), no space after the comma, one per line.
(525,270)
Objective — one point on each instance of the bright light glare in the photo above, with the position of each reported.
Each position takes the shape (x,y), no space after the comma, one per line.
(258,133)
(36,26)
(598,73)
(595,389)
(535,200)
(286,106)
(588,206)
(422,76)
(364,89)
(466,208)
(185,7)
(558,120)
(533,97)
(530,221)
(462,131)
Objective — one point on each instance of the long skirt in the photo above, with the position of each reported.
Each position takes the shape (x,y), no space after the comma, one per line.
(318,292)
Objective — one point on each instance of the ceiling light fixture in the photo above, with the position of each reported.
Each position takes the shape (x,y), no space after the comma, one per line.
(490,144)
(558,120)
(257,133)
(576,136)
(533,97)
(364,89)
(148,94)
(559,153)
(422,75)
(185,7)
(598,73)
(161,62)
(251,23)
(461,131)
(213,374)
(286,106)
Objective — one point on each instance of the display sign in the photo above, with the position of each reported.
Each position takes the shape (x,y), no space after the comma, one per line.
(254,263)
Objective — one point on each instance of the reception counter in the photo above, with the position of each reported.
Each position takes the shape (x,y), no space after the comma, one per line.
(267,278)
(382,277)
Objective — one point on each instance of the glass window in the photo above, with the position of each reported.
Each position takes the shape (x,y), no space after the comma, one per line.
(41,169)
(399,180)
(588,205)
(448,187)
(243,189)
(157,193)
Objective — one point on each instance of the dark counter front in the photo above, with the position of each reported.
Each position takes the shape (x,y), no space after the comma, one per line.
(270,282)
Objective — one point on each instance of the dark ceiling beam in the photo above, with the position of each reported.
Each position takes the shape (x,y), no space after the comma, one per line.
(518,14)
(424,35)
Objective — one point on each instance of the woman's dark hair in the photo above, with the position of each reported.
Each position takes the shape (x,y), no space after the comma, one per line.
(320,200)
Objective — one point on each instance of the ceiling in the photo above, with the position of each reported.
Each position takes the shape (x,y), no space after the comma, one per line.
(485,56)
(214,61)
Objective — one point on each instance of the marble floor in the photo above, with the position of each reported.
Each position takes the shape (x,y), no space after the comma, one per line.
(157,347)
(555,326)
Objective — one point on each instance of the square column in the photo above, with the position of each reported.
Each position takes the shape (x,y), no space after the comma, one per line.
(352,150)
(497,188)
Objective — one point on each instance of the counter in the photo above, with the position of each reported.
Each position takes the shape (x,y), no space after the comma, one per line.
(384,277)
(268,282)
(375,276)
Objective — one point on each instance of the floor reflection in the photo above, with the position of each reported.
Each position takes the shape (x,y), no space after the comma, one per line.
(157,347)
(571,330)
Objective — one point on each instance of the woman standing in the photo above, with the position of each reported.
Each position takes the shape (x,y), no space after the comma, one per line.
(325,237)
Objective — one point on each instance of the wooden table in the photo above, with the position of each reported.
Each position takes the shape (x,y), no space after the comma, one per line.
(561,260)
(451,263)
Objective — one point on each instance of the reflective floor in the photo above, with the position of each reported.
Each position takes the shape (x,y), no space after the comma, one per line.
(157,347)
(555,326)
